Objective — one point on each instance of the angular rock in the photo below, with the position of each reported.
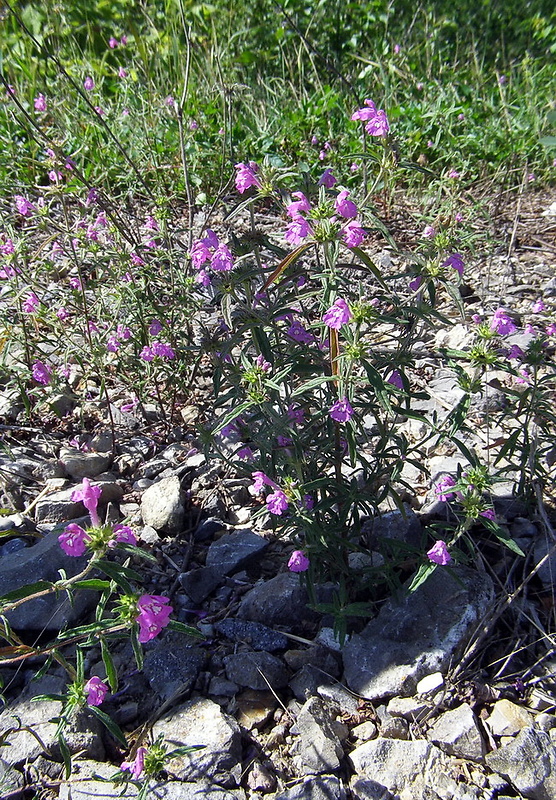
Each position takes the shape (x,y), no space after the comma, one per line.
(258,636)
(418,634)
(256,670)
(260,779)
(173,666)
(255,708)
(199,583)
(42,561)
(10,781)
(318,748)
(234,551)
(322,787)
(405,769)
(507,718)
(83,734)
(409,708)
(457,733)
(529,763)
(280,601)
(201,721)
(84,465)
(59,507)
(393,526)
(162,505)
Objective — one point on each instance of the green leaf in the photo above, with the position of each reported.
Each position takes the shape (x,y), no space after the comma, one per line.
(312,384)
(93,583)
(108,661)
(136,645)
(119,573)
(231,415)
(290,259)
(548,141)
(25,591)
(175,625)
(421,576)
(109,723)
(66,755)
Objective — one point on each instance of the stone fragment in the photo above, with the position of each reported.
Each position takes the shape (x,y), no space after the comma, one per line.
(321,787)
(260,779)
(10,781)
(42,562)
(80,465)
(529,763)
(199,583)
(430,683)
(410,708)
(258,636)
(457,733)
(393,525)
(395,728)
(256,670)
(255,708)
(173,666)
(318,748)
(507,718)
(59,507)
(162,505)
(280,601)
(417,634)
(365,731)
(234,551)
(207,528)
(201,721)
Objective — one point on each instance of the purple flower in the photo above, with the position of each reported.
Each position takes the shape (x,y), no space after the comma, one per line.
(538,307)
(454,174)
(337,315)
(327,179)
(41,373)
(396,379)
(124,534)
(122,73)
(113,43)
(277,502)
(246,177)
(137,766)
(297,230)
(551,329)
(301,204)
(261,363)
(283,441)
(155,327)
(163,350)
(31,303)
(353,234)
(23,205)
(222,259)
(446,482)
(88,84)
(415,284)
(502,323)
(40,103)
(488,513)
(245,453)
(298,562)
(88,495)
(455,261)
(341,411)
(429,232)
(296,415)
(439,554)
(516,352)
(154,614)
(345,207)
(146,353)
(73,540)
(203,278)
(62,314)
(261,480)
(298,333)
(376,119)
(96,691)
(112,345)
(308,501)
(458,217)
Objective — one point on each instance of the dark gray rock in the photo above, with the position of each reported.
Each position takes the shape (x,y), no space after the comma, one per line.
(59,507)
(280,601)
(256,670)
(80,465)
(10,781)
(207,528)
(318,748)
(258,636)
(395,526)
(173,666)
(415,635)
(42,561)
(321,787)
(201,721)
(529,763)
(234,551)
(162,505)
(199,583)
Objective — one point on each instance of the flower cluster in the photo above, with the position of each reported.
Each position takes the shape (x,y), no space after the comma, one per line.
(376,119)
(276,502)
(209,250)
(246,176)
(157,349)
(350,232)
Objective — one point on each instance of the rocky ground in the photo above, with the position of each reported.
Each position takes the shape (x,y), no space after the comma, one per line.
(445,694)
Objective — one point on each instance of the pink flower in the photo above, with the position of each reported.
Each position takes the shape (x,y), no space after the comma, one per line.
(41,373)
(73,540)
(429,232)
(538,307)
(122,73)
(203,278)
(298,562)
(154,614)
(123,332)
(277,502)
(397,49)
(146,354)
(502,323)
(124,534)
(169,100)
(260,480)
(96,691)
(40,103)
(151,223)
(446,482)
(246,177)
(439,554)
(488,513)
(455,261)
(113,43)
(551,329)
(88,495)
(345,207)
(516,352)
(301,204)
(137,766)
(353,234)
(454,174)
(341,411)
(327,179)
(459,217)
(88,84)
(461,117)
(23,205)
(222,259)
(396,379)
(376,119)
(112,345)
(337,315)
(31,303)
(62,314)
(297,230)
